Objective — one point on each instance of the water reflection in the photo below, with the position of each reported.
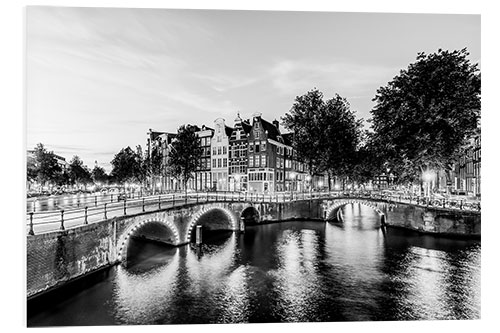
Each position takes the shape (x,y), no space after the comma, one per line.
(143,297)
(296,280)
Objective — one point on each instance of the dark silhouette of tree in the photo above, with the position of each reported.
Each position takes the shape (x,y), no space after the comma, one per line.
(99,175)
(152,163)
(79,173)
(184,155)
(127,166)
(326,133)
(423,117)
(341,135)
(304,120)
(45,165)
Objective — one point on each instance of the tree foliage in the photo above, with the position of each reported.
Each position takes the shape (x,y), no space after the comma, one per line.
(424,115)
(127,166)
(304,120)
(44,166)
(326,133)
(184,154)
(99,175)
(341,133)
(153,161)
(78,172)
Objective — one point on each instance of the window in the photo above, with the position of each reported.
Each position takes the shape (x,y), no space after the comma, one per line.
(257,147)
(224,150)
(219,162)
(250,162)
(214,151)
(224,163)
(256,133)
(213,163)
(264,161)
(219,150)
(263,145)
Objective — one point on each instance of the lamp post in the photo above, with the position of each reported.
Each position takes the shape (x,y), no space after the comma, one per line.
(427,177)
(293,175)
(308,178)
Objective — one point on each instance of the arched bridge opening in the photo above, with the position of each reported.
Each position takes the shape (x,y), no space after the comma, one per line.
(250,216)
(334,213)
(215,219)
(150,230)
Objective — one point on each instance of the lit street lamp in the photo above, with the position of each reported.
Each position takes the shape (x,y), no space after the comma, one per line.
(293,175)
(427,177)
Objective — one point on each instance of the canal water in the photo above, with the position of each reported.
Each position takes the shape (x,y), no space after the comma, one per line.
(283,272)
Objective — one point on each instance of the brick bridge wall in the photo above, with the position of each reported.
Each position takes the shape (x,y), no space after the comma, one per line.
(58,257)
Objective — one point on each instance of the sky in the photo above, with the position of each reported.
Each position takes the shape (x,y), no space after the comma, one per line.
(97,79)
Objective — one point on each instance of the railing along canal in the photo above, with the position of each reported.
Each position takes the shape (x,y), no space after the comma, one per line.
(54,220)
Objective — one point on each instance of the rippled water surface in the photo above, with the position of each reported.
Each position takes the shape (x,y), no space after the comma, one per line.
(286,272)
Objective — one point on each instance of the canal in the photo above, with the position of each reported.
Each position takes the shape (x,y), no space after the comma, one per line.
(284,272)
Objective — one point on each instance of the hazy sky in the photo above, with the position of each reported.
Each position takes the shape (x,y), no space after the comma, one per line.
(98,79)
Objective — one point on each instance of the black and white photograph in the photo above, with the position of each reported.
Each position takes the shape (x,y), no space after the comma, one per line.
(251,166)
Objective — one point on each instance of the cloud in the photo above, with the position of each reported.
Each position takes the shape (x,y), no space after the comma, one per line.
(341,77)
(222,83)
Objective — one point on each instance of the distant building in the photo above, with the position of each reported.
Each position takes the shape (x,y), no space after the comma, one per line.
(272,165)
(238,155)
(162,141)
(468,168)
(220,155)
(203,176)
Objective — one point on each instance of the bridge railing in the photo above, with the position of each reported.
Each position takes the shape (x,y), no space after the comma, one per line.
(54,220)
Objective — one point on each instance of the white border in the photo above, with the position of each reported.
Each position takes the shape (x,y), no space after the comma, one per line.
(13,141)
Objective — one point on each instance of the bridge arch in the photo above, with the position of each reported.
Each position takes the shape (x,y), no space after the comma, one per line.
(333,212)
(233,224)
(250,215)
(134,229)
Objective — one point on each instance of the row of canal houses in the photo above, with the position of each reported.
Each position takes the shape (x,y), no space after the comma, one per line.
(252,156)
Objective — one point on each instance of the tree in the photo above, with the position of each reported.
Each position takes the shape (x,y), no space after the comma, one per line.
(304,120)
(45,165)
(341,135)
(423,116)
(78,172)
(184,155)
(99,175)
(152,162)
(127,166)
(326,134)
(367,162)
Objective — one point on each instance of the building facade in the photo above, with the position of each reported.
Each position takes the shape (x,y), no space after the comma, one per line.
(220,155)
(238,155)
(468,169)
(203,176)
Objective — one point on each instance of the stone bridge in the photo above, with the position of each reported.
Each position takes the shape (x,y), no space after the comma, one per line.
(58,257)
(333,209)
